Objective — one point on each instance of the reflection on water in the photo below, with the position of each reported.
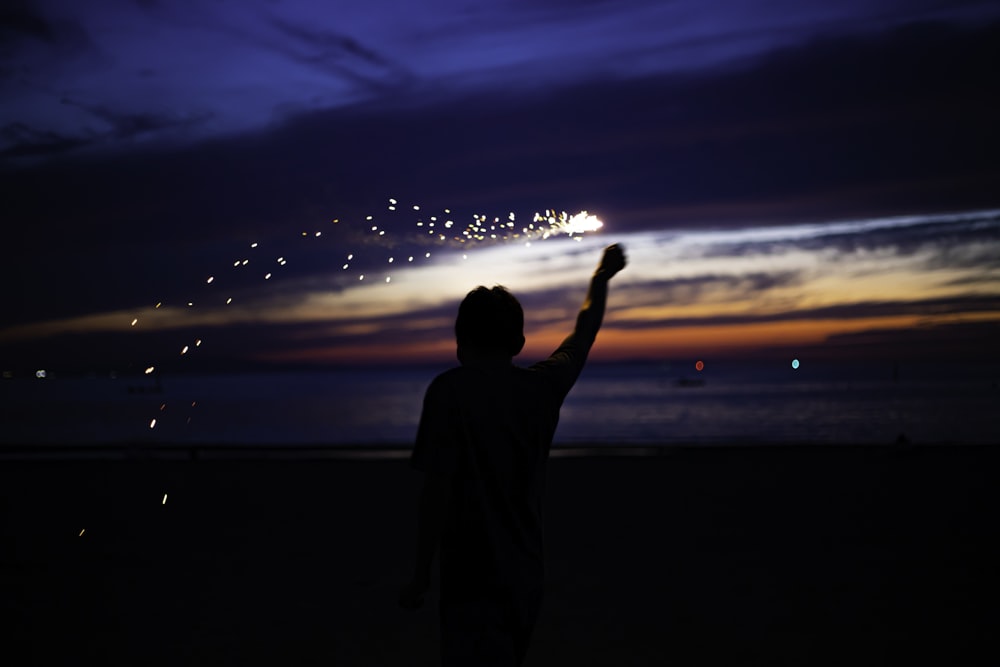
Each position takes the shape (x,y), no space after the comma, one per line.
(628,404)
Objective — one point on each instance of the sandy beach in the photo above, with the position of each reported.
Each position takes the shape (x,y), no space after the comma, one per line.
(688,556)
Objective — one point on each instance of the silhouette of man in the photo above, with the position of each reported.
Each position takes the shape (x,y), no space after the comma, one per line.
(483,444)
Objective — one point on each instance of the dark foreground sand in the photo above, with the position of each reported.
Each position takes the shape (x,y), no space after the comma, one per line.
(718,556)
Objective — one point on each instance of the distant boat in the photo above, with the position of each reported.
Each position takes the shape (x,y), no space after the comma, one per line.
(690,382)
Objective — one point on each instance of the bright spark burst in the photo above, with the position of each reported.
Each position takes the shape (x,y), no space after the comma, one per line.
(562,223)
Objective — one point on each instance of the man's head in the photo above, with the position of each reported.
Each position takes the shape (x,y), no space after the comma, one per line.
(490,324)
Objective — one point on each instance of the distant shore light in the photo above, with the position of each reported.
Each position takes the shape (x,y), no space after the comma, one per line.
(699,365)
(795,364)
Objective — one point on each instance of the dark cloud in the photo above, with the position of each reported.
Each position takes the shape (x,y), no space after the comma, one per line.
(833,118)
(341,55)
(18,21)
(986,280)
(962,305)
(704,288)
(22,24)
(958,240)
(328,45)
(23,141)
(969,342)
(123,125)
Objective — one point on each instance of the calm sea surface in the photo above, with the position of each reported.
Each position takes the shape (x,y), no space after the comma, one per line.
(612,403)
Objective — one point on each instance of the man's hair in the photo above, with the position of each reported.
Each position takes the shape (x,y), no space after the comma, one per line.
(491,322)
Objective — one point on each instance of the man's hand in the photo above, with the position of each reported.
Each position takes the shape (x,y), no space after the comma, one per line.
(612,262)
(411,596)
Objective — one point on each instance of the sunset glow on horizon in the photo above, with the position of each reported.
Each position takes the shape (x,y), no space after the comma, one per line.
(684,293)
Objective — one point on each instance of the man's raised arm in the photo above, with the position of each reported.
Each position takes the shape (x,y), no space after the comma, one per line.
(588,322)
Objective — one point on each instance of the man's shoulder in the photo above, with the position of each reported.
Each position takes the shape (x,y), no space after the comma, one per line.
(561,369)
(450,376)
(441,382)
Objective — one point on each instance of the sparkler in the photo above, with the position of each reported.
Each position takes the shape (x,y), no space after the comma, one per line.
(406,225)
(562,223)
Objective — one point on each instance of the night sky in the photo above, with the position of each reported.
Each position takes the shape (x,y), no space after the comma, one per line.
(798,177)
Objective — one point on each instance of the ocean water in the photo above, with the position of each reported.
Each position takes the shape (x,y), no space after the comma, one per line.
(627,404)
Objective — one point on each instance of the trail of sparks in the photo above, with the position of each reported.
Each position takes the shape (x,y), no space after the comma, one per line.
(381,234)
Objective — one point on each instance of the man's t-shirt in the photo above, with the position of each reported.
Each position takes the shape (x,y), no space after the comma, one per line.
(489,428)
